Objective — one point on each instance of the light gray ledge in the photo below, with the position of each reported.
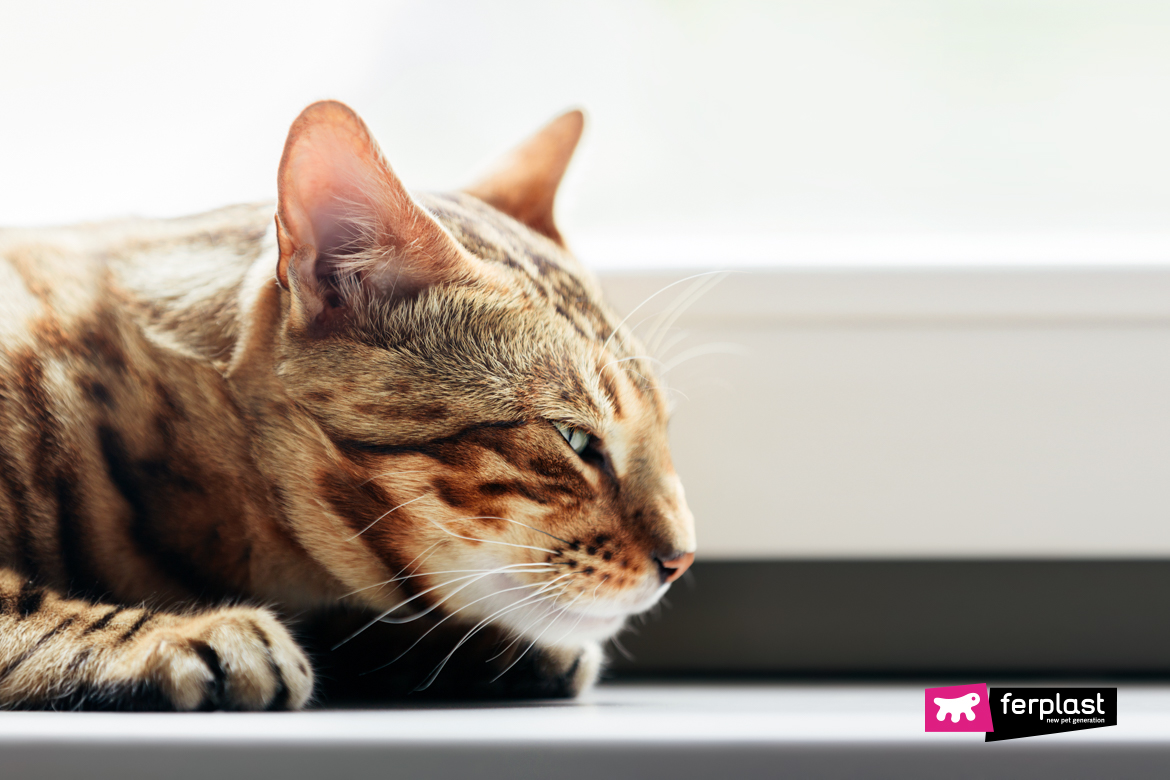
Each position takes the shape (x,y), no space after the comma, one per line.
(677,731)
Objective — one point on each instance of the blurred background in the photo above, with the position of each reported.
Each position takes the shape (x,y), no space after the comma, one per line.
(846,117)
(937,378)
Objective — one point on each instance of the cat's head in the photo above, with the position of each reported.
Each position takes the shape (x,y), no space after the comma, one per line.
(491,439)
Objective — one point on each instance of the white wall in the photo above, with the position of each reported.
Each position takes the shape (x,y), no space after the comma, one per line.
(915,413)
(713,116)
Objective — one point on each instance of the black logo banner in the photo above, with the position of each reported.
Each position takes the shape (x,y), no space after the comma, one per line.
(1030,712)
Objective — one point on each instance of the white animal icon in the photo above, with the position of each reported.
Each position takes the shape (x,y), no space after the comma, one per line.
(964,704)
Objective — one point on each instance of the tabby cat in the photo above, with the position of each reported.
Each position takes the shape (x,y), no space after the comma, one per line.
(405,426)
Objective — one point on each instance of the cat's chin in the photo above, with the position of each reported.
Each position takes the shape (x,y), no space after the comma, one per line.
(553,623)
(572,629)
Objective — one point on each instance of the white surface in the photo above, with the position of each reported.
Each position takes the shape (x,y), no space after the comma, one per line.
(671,714)
(911,412)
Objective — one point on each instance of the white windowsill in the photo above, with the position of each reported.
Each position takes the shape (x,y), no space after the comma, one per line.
(752,728)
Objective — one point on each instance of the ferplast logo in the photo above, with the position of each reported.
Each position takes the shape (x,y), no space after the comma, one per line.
(1011,713)
(958,708)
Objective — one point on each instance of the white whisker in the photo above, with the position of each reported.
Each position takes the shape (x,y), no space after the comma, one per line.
(685,302)
(492,541)
(521,632)
(400,578)
(404,569)
(621,648)
(542,633)
(544,589)
(580,617)
(510,520)
(717,348)
(660,317)
(625,359)
(545,609)
(384,616)
(371,525)
(415,562)
(650,298)
(395,473)
(519,635)
(434,674)
(426,557)
(669,343)
(551,622)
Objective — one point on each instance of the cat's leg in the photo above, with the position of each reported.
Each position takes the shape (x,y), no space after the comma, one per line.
(71,654)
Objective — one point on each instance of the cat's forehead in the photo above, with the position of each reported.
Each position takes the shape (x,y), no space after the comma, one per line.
(548,273)
(538,265)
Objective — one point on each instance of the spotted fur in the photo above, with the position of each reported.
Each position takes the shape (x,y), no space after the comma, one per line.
(219,432)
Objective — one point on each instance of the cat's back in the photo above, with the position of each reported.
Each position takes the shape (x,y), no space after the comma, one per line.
(179,275)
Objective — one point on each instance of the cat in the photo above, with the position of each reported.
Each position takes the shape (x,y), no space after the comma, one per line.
(403,426)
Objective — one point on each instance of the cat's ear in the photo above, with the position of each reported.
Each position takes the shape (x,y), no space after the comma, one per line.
(346,225)
(524,183)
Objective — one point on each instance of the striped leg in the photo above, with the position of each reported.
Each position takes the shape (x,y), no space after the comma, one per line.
(69,654)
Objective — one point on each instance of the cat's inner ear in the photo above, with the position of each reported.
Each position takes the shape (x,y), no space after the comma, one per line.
(345,224)
(524,183)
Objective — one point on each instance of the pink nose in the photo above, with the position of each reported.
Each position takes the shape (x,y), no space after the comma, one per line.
(671,570)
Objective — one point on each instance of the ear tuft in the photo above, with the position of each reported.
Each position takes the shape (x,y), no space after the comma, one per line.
(523,184)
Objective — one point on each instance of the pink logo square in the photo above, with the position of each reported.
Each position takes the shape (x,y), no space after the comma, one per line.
(958,708)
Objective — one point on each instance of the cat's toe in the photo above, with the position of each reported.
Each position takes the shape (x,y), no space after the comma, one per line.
(235,659)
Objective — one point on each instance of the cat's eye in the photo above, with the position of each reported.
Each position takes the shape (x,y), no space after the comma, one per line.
(576,437)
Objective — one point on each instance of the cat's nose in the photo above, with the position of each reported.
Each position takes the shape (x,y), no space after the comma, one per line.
(670,568)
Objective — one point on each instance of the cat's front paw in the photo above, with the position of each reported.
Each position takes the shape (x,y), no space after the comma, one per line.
(576,669)
(553,672)
(232,659)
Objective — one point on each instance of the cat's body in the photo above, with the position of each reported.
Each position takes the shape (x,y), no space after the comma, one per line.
(376,404)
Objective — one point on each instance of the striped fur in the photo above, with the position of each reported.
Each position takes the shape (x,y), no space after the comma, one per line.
(197,461)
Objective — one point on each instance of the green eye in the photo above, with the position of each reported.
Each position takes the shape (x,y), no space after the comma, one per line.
(576,437)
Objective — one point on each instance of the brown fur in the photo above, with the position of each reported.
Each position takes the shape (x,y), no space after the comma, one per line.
(181,431)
